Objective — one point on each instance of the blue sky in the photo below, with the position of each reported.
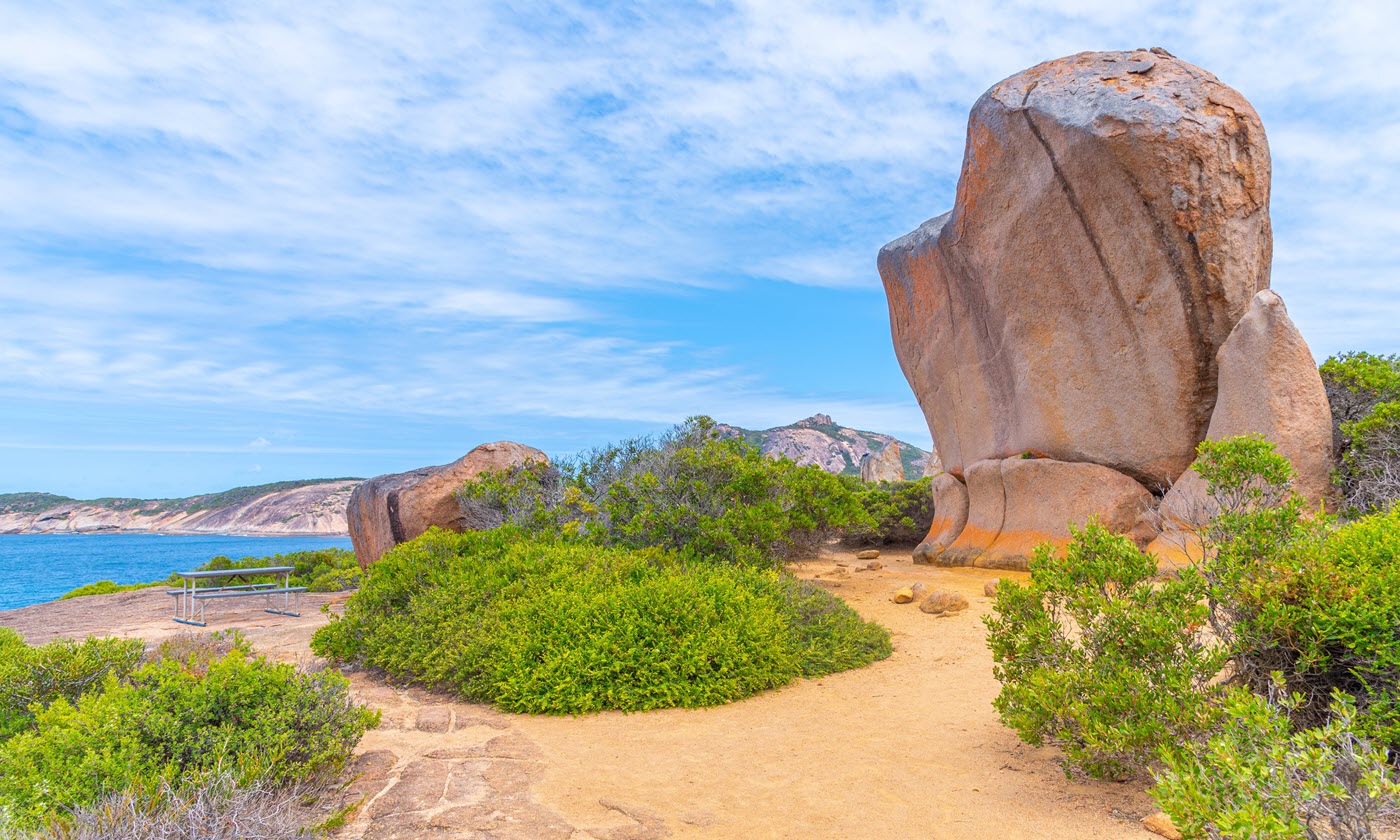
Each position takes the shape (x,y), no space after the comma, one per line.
(258,241)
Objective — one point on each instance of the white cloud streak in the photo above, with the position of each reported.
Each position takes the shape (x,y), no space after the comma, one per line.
(444,208)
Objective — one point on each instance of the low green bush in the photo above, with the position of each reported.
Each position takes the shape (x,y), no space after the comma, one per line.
(63,669)
(1097,659)
(550,625)
(181,718)
(705,497)
(1364,392)
(1188,676)
(107,587)
(1255,776)
(320,570)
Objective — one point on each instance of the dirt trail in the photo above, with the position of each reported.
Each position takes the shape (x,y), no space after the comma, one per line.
(909,747)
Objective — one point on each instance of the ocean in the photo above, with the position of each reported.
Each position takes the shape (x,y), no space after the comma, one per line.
(35,568)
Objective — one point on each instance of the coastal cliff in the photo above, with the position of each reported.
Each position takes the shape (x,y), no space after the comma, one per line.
(288,508)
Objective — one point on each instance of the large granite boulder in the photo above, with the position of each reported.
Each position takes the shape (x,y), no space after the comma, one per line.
(885,465)
(1110,229)
(391,509)
(1270,386)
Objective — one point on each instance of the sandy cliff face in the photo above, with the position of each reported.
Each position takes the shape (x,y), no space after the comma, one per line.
(310,509)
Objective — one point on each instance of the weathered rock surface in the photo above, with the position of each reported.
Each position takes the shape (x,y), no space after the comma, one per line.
(391,509)
(868,554)
(1110,229)
(1017,503)
(1269,385)
(820,441)
(950,504)
(943,602)
(885,465)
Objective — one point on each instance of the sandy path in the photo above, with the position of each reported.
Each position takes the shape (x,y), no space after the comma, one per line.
(907,747)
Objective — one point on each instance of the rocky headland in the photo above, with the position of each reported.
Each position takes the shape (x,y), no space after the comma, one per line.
(315,507)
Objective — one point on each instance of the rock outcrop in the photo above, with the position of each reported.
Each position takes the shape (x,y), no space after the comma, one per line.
(885,465)
(1110,228)
(1270,386)
(819,440)
(391,509)
(1068,325)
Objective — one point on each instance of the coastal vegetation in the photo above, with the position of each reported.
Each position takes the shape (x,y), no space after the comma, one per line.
(95,731)
(642,575)
(1364,392)
(322,570)
(553,624)
(1260,687)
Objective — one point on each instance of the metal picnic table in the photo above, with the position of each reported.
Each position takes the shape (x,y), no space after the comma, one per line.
(190,594)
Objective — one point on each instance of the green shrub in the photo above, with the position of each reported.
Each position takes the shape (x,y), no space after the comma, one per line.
(1364,392)
(543,625)
(180,720)
(1096,659)
(320,570)
(107,587)
(62,669)
(1356,383)
(1255,777)
(898,512)
(1369,473)
(703,496)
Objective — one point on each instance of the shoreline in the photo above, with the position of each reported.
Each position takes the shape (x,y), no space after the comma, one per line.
(177,533)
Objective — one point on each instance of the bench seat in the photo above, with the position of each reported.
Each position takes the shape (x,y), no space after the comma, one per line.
(230,593)
(257,586)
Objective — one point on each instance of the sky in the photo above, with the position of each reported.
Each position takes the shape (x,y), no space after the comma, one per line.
(256,241)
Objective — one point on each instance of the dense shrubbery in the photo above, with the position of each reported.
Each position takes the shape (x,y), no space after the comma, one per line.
(535,623)
(1095,657)
(1117,670)
(899,512)
(1255,775)
(196,713)
(1364,390)
(322,570)
(706,497)
(33,677)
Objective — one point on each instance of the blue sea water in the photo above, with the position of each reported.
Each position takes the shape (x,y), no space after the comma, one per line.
(35,568)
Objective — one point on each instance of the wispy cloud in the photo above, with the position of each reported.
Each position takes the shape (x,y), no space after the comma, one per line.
(505,210)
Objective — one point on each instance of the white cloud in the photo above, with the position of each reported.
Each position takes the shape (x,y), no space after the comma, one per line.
(465,208)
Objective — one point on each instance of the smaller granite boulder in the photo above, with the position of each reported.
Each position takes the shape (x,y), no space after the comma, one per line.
(943,602)
(392,509)
(868,554)
(908,594)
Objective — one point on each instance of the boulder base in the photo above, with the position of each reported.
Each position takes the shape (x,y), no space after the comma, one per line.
(391,509)
(1018,503)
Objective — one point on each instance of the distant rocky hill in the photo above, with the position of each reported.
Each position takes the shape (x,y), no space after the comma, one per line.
(316,506)
(836,449)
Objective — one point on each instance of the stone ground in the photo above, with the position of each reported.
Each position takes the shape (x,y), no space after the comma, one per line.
(906,747)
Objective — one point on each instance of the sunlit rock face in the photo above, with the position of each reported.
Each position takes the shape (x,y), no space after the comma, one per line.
(1111,228)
